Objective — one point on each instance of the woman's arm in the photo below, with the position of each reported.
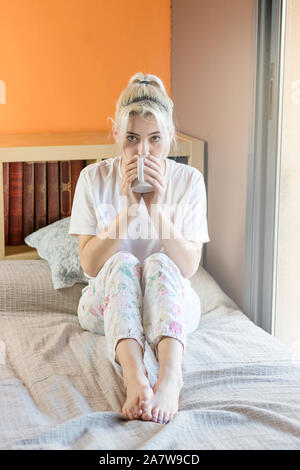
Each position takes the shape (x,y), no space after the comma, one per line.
(185,254)
(94,252)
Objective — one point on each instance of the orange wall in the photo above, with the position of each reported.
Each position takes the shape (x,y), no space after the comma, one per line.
(65,63)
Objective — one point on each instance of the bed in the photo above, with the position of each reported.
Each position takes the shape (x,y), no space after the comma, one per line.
(59,389)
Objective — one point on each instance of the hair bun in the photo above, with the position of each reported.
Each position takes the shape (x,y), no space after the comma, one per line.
(147,79)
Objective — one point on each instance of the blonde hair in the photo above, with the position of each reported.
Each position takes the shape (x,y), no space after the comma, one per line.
(146,95)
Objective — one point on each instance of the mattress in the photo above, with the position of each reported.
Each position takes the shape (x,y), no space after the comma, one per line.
(59,389)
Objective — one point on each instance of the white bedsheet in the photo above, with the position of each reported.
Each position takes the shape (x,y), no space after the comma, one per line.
(58,389)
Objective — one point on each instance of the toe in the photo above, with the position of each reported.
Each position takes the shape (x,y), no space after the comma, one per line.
(146,410)
(155,414)
(144,404)
(145,407)
(160,416)
(138,413)
(130,413)
(146,415)
(165,418)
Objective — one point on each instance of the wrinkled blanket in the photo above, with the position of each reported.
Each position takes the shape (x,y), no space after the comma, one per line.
(59,390)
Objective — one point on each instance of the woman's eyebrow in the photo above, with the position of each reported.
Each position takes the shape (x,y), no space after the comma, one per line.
(151,133)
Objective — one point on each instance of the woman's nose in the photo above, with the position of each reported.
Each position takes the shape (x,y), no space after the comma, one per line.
(143,148)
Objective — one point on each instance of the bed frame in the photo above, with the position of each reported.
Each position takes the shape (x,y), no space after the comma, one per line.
(90,146)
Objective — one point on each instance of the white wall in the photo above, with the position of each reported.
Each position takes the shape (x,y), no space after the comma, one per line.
(211,86)
(287,324)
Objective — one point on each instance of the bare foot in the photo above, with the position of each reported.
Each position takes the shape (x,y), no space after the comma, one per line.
(164,404)
(139,396)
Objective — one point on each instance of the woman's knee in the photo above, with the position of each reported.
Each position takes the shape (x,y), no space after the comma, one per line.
(90,318)
(118,259)
(124,257)
(157,257)
(160,259)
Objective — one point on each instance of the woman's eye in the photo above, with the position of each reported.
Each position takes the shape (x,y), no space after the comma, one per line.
(132,138)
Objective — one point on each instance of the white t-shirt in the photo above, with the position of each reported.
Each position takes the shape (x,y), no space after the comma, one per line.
(98,200)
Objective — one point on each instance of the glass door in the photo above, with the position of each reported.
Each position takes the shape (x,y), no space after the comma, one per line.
(287,293)
(263,180)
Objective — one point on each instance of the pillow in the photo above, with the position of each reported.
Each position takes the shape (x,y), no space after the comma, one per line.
(55,245)
(210,293)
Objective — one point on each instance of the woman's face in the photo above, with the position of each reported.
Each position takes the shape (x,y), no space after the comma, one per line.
(143,137)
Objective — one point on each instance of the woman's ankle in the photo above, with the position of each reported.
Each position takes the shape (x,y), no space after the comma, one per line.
(129,354)
(173,375)
(136,376)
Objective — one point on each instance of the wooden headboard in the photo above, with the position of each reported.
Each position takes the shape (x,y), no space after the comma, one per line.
(90,146)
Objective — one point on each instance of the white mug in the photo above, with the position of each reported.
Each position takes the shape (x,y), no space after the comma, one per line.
(139,185)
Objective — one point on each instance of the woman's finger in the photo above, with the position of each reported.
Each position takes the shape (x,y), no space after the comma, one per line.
(129,180)
(155,174)
(126,180)
(131,160)
(131,166)
(131,174)
(157,184)
(156,162)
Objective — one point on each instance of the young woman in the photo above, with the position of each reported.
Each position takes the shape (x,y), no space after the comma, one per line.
(140,249)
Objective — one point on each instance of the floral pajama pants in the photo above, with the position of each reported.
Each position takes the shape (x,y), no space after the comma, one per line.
(144,302)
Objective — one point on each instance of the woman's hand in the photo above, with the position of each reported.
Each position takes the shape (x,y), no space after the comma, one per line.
(129,174)
(153,173)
